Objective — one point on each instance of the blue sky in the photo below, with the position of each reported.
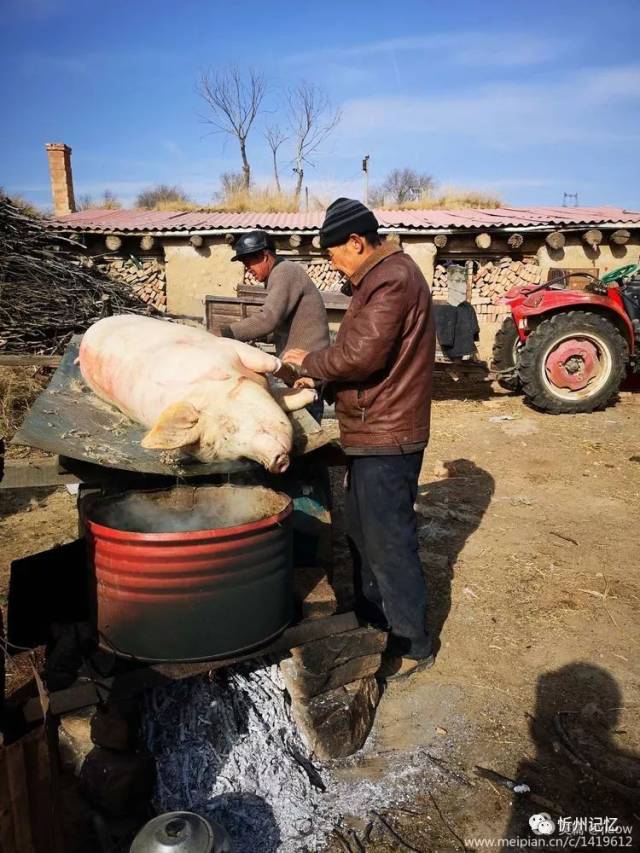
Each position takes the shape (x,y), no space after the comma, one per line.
(530,99)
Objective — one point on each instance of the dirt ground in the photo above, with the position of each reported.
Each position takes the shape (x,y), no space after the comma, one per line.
(531,553)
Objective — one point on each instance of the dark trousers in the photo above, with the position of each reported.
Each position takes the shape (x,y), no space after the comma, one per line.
(382,532)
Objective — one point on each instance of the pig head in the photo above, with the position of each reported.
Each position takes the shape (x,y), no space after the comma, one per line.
(227,423)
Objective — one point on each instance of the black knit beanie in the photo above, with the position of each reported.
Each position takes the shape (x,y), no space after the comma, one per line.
(343,217)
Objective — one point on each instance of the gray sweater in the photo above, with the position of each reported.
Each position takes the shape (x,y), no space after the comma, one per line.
(293,312)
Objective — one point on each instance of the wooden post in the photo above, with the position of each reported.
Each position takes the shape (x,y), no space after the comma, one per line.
(295,240)
(555,240)
(620,237)
(593,237)
(197,241)
(147,243)
(113,242)
(440,240)
(229,239)
(515,241)
(483,241)
(316,242)
(468,270)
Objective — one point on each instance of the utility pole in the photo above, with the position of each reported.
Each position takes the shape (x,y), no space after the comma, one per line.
(306,198)
(365,169)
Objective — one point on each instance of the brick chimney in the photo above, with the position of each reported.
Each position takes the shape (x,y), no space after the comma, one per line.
(59,156)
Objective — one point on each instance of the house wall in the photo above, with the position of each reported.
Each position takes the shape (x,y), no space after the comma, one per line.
(576,254)
(192,274)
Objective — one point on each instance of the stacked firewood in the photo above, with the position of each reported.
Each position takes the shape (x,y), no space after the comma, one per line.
(319,271)
(145,276)
(323,275)
(49,290)
(491,280)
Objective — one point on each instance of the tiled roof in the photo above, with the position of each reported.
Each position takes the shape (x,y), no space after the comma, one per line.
(136,221)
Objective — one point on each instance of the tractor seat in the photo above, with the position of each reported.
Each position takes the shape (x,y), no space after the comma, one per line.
(631,298)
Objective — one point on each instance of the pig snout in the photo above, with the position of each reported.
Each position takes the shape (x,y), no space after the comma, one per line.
(271,451)
(280,464)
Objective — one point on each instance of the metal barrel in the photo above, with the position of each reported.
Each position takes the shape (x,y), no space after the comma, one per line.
(191,595)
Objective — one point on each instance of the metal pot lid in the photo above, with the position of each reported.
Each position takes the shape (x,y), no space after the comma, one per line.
(181,832)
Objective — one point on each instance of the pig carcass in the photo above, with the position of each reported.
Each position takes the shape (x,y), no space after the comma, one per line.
(205,395)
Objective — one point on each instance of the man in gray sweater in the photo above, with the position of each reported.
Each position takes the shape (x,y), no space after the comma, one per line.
(293,311)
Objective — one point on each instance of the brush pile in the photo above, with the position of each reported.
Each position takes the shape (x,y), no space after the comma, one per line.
(47,293)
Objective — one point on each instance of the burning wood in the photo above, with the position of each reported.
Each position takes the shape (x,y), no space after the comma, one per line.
(47,294)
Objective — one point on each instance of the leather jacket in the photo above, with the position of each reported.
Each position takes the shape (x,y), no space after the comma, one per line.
(381,364)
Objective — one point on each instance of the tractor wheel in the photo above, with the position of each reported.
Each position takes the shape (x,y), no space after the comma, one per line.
(573,362)
(506,348)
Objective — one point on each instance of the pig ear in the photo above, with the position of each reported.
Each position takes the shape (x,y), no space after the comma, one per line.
(177,426)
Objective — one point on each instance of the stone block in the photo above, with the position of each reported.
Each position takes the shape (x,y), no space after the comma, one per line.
(337,723)
(74,739)
(314,593)
(303,684)
(335,650)
(118,783)
(114,730)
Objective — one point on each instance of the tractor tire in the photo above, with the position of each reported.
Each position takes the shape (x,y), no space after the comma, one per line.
(576,348)
(505,353)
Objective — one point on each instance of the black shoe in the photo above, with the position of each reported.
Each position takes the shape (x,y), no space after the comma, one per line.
(394,668)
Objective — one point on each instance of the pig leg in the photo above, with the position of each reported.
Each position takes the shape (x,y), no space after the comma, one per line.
(254,359)
(292,399)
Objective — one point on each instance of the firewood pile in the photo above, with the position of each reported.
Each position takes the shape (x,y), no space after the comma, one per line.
(145,277)
(323,276)
(319,271)
(48,292)
(491,280)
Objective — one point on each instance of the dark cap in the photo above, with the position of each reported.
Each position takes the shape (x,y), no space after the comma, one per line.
(249,244)
(346,216)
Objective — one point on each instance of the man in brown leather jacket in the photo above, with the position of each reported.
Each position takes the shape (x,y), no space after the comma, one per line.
(381,368)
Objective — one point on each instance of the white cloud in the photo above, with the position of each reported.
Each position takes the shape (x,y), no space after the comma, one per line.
(474,49)
(605,84)
(566,110)
(173,148)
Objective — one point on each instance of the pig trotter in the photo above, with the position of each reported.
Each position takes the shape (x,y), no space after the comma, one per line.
(292,399)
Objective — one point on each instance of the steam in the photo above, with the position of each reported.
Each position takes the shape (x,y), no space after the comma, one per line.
(186,509)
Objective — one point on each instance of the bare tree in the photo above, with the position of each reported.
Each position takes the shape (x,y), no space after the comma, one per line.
(162,195)
(403,185)
(231,183)
(234,101)
(275,136)
(108,201)
(312,119)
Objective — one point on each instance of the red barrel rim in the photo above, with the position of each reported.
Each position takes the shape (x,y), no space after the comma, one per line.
(190,535)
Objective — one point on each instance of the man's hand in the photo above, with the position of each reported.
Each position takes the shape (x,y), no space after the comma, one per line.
(295,356)
(305,382)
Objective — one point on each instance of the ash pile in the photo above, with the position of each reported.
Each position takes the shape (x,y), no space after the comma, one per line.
(47,291)
(228,749)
